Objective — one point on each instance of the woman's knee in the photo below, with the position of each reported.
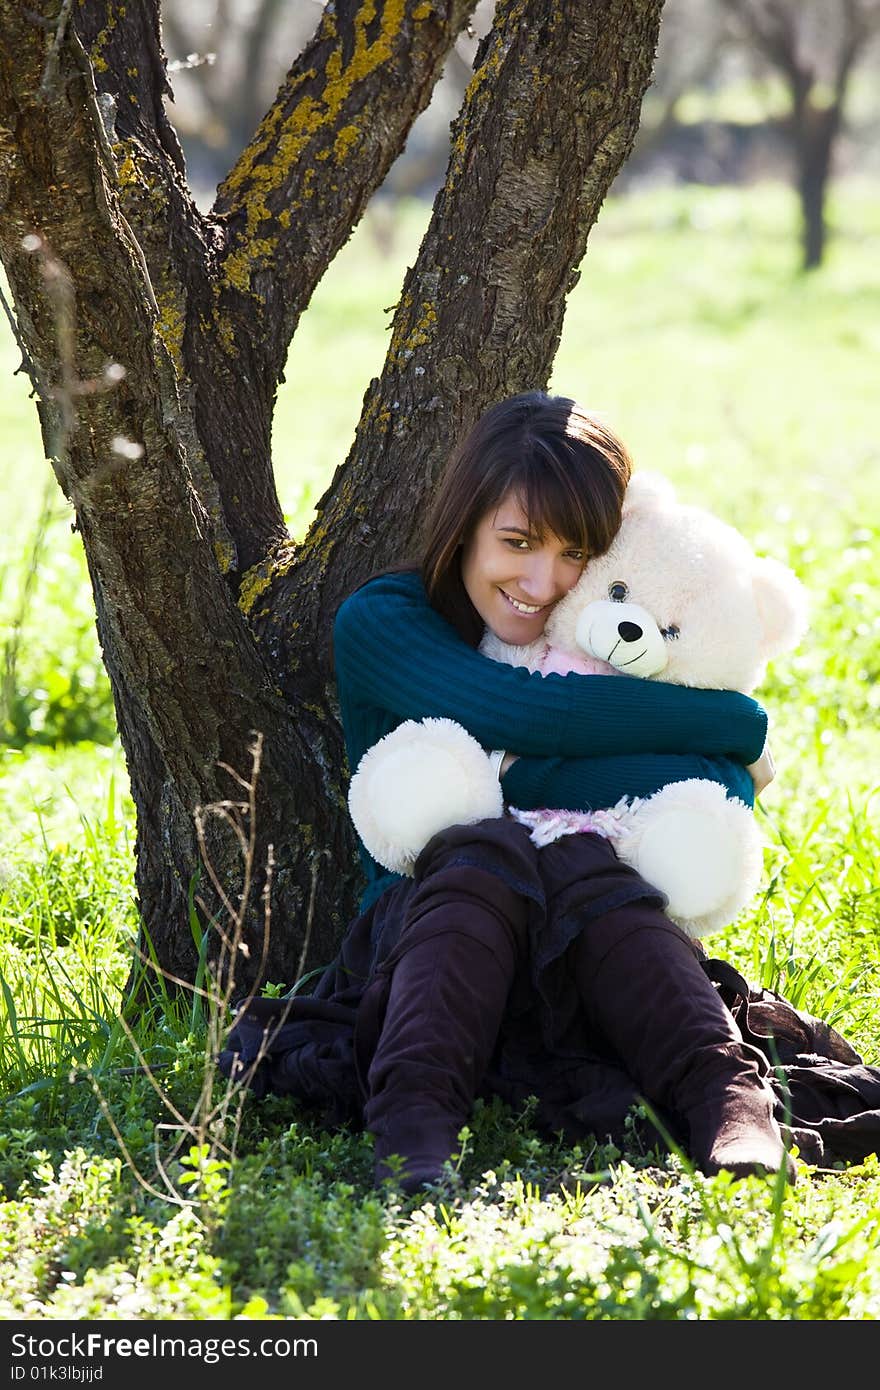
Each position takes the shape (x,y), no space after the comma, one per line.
(639,923)
(499,846)
(463,893)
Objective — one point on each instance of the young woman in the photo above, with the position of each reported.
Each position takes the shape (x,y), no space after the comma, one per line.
(499,968)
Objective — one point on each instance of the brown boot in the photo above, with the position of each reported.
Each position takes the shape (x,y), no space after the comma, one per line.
(645,991)
(450,977)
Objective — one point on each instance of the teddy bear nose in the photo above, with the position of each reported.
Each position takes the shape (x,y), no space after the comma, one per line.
(630,632)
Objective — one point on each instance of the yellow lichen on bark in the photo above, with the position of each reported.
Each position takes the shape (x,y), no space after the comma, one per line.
(375,412)
(239,267)
(348,136)
(262,575)
(222,324)
(408,336)
(114,14)
(171,323)
(224,554)
(282,140)
(480,88)
(126,172)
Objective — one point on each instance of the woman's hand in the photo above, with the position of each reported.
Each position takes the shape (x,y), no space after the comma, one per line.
(763,771)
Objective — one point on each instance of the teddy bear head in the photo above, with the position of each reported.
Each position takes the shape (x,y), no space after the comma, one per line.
(680,597)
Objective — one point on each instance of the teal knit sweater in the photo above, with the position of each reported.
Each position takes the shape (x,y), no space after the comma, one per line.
(584,741)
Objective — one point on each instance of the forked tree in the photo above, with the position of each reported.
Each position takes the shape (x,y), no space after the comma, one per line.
(214,623)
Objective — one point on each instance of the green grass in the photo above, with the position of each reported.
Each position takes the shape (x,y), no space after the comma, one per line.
(754,388)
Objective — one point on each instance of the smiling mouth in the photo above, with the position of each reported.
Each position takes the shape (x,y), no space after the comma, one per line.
(621,664)
(527,609)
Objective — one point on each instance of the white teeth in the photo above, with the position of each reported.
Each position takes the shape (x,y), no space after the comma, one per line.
(524,607)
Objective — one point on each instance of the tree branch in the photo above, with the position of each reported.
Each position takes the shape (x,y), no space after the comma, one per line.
(854,38)
(123,63)
(340,119)
(234,481)
(772,27)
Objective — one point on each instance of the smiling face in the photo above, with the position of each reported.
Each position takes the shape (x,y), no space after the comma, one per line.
(514,577)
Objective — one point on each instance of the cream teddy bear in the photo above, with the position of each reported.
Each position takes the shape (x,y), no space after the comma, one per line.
(679,597)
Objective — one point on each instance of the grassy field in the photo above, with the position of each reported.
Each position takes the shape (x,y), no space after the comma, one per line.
(754,389)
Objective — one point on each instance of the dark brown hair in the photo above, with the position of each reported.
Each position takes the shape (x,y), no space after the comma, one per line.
(567,468)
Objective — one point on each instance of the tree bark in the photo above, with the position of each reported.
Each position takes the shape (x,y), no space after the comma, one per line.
(214,626)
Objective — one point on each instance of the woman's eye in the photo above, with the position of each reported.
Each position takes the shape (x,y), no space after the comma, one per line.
(577,555)
(617,592)
(670,633)
(517,542)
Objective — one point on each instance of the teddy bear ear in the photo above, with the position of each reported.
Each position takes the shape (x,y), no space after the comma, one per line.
(646,490)
(783,605)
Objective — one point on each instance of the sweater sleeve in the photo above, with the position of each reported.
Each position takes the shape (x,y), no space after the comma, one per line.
(394,652)
(590,784)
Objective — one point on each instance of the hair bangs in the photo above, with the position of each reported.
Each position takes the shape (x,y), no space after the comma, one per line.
(547,478)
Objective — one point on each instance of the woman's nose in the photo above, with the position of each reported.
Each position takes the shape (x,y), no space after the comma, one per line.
(539,579)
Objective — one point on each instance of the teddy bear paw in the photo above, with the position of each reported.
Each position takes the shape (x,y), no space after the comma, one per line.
(701,849)
(416,781)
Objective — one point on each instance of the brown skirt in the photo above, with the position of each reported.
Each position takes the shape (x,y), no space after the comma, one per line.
(318,1047)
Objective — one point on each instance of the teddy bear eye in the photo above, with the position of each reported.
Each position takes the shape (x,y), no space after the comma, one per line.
(617,591)
(670,633)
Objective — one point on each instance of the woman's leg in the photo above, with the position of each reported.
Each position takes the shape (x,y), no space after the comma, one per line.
(645,992)
(450,976)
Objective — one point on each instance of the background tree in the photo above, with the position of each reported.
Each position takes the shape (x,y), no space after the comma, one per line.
(814,46)
(214,624)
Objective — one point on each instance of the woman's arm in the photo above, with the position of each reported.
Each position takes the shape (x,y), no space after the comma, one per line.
(395,653)
(590,784)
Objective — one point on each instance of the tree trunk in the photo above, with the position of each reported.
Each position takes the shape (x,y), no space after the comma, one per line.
(214,625)
(781,33)
(817,131)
